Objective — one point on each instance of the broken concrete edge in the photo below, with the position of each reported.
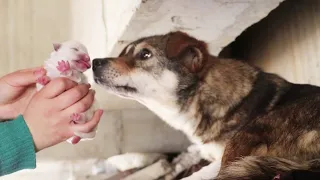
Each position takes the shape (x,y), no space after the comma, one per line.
(236,50)
(116,16)
(253,14)
(241,24)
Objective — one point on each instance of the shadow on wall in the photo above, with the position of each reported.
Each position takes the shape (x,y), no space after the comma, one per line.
(26,29)
(286,42)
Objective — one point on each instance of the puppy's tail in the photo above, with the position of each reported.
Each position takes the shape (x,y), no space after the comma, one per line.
(263,168)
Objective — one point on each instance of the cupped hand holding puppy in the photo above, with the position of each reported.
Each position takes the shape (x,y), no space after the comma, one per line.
(48,112)
(16,90)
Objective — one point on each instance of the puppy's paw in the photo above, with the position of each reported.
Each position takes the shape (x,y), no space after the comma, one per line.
(75,140)
(64,67)
(78,118)
(43,80)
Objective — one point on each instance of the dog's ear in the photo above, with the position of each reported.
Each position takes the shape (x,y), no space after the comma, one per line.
(190,51)
(56,46)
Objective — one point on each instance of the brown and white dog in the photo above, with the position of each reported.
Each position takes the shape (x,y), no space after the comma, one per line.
(256,124)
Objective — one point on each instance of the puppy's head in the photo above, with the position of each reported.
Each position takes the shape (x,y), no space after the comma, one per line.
(156,67)
(75,52)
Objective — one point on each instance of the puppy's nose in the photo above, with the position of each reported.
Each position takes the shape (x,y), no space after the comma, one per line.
(97,63)
(86,57)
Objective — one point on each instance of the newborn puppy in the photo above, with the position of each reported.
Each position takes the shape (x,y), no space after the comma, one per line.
(70,59)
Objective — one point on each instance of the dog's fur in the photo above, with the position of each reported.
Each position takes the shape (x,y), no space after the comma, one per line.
(257,124)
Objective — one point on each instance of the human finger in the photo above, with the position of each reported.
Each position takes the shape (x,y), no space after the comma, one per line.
(57,86)
(24,77)
(73,95)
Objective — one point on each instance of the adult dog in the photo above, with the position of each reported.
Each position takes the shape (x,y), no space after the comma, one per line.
(256,124)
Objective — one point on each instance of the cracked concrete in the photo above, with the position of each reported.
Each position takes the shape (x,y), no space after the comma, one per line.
(218,22)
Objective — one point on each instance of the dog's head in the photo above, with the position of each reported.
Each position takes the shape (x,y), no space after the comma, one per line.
(154,67)
(75,52)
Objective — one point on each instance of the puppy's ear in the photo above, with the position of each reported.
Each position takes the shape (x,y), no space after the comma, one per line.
(56,46)
(190,51)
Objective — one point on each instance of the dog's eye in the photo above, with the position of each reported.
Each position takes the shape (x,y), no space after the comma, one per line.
(144,54)
(76,49)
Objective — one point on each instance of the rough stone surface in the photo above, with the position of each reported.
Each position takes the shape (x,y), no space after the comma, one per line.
(218,22)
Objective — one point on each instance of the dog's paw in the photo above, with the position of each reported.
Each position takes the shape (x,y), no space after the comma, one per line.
(183,162)
(43,80)
(64,67)
(77,118)
(194,148)
(129,161)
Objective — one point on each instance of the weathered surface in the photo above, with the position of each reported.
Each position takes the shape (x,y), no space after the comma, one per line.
(217,21)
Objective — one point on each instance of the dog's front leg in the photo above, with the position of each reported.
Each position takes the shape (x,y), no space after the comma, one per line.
(207,172)
(185,160)
(211,152)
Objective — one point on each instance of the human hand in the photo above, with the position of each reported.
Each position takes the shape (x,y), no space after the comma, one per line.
(48,113)
(16,90)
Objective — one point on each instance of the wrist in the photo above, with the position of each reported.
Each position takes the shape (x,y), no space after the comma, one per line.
(33,133)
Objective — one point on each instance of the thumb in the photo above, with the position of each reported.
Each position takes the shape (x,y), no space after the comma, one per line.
(25,77)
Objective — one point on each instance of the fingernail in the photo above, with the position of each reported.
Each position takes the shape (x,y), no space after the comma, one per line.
(100,112)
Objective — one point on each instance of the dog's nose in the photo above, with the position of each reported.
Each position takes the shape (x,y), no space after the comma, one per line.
(86,57)
(97,63)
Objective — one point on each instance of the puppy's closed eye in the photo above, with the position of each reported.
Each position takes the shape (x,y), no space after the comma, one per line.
(75,49)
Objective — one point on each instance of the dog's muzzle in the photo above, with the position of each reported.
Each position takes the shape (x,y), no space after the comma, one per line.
(98,64)
(98,68)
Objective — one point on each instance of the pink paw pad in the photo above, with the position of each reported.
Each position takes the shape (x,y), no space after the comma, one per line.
(43,80)
(75,117)
(63,66)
